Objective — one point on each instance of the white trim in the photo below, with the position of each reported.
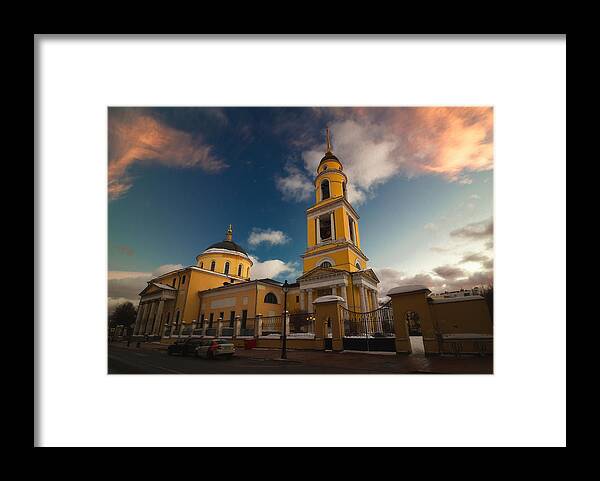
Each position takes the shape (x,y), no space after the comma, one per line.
(326,259)
(215,250)
(347,245)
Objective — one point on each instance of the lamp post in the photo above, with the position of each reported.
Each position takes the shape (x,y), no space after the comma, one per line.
(285,288)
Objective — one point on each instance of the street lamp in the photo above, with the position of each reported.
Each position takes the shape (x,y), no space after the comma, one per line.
(285,288)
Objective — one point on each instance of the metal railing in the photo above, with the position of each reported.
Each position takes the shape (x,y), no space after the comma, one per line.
(301,323)
(376,323)
(272,325)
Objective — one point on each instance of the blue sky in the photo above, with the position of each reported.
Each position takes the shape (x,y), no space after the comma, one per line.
(420,178)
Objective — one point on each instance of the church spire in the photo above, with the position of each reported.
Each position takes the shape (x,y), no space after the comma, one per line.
(229,234)
(328,151)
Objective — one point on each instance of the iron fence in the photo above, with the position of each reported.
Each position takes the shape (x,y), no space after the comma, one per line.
(272,325)
(376,323)
(301,323)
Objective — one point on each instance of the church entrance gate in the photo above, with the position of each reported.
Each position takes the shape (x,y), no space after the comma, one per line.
(369,331)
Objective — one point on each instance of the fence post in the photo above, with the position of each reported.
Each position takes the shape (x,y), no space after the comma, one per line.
(411,298)
(287,322)
(219,327)
(236,327)
(328,308)
(258,326)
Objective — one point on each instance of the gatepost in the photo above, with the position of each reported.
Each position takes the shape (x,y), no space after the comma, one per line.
(327,308)
(412,298)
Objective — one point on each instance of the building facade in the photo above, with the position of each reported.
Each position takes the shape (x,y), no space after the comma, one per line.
(218,289)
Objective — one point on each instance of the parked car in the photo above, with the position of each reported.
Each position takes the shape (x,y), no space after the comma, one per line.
(211,348)
(184,346)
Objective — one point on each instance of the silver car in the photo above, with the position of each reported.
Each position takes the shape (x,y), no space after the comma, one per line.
(212,348)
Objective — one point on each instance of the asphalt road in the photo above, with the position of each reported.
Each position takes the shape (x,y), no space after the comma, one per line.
(146,360)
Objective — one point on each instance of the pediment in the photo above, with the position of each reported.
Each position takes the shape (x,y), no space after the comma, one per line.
(370,274)
(320,273)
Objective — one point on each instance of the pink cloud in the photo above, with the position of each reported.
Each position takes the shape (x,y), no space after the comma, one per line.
(137,137)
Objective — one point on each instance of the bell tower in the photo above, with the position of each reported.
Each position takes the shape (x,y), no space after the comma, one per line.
(333,238)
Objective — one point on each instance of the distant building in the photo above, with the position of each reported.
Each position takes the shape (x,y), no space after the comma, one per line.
(475,291)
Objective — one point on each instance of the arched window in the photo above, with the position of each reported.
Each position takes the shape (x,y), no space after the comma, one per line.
(270,298)
(226,270)
(325,190)
(325,264)
(358,266)
(240,270)
(212,265)
(183,280)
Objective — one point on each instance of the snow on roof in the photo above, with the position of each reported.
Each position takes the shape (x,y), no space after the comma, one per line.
(407,289)
(328,299)
(164,286)
(443,300)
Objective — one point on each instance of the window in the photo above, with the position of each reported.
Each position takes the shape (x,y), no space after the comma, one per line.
(351,227)
(270,298)
(231,318)
(240,270)
(297,299)
(358,266)
(221,314)
(325,264)
(177,318)
(325,190)
(248,272)
(201,321)
(183,280)
(212,266)
(210,319)
(325,227)
(226,270)
(244,317)
(344,188)
(201,265)
(174,281)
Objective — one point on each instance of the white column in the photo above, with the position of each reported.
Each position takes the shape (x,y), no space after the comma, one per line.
(310,301)
(363,299)
(151,313)
(302,301)
(343,293)
(334,291)
(331,220)
(159,312)
(318,231)
(145,317)
(219,327)
(374,299)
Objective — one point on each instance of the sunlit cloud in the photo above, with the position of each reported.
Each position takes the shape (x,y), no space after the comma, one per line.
(267,236)
(376,144)
(137,137)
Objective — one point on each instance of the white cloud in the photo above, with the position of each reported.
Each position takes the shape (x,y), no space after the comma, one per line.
(124,286)
(295,185)
(267,236)
(375,145)
(273,268)
(430,226)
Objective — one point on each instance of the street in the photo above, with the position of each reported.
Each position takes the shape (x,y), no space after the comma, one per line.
(152,358)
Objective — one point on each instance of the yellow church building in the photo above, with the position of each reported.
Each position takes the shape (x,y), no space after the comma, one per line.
(217,291)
